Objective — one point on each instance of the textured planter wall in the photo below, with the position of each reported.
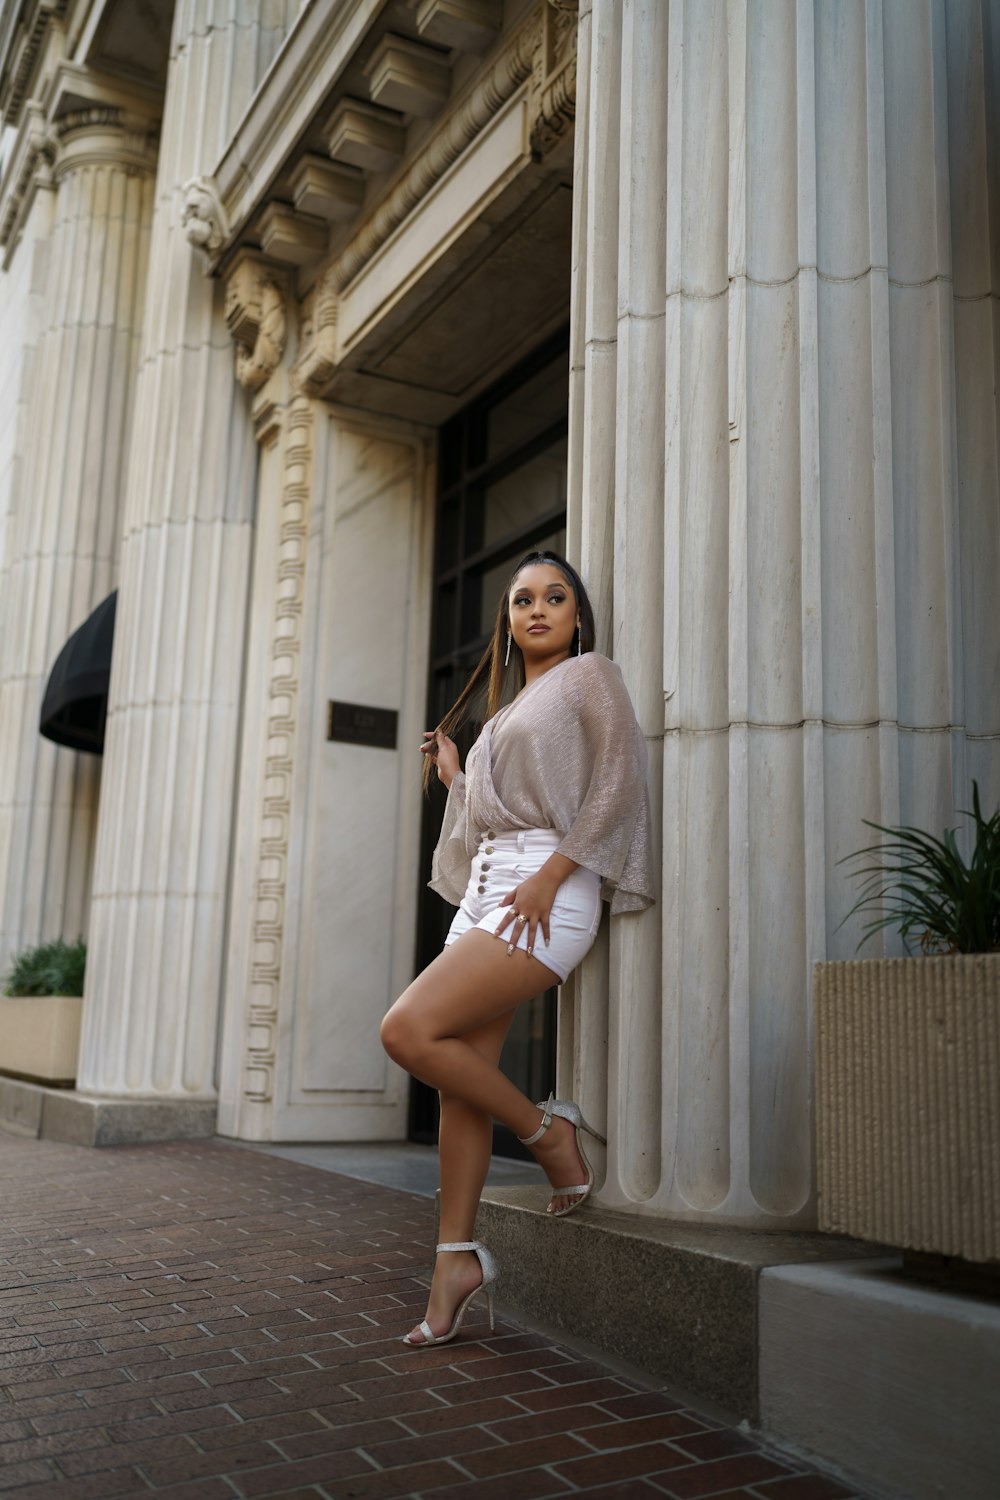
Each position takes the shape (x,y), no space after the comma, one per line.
(40,1036)
(908,1102)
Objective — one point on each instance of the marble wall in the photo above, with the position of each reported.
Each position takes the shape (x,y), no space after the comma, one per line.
(784,446)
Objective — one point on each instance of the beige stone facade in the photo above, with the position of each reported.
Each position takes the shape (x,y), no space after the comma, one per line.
(259,259)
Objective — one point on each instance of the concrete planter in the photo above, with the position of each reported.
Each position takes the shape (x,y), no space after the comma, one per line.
(908,1102)
(40,1037)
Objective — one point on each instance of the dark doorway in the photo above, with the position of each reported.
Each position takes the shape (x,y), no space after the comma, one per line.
(501,491)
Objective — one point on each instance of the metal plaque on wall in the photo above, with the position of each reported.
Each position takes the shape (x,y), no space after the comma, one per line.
(356,724)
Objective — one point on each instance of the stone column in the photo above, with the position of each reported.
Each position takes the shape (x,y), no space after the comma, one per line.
(62,545)
(795,309)
(158,910)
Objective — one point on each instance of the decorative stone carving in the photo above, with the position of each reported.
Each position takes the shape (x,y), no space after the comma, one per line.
(408,76)
(257,320)
(555,90)
(28,44)
(283,691)
(204,217)
(29,167)
(102,134)
(320,340)
(457,131)
(459,128)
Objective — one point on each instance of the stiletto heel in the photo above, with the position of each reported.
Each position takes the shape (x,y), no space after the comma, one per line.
(567,1110)
(485,1287)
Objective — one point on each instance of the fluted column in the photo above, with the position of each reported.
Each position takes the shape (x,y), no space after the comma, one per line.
(158,909)
(63,542)
(803,279)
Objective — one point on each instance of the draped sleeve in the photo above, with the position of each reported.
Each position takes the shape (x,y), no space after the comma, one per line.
(451,861)
(611,833)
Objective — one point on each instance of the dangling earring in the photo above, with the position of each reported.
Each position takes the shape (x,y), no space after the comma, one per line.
(579,643)
(506,660)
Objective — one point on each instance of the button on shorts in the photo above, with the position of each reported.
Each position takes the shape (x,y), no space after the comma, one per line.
(502,862)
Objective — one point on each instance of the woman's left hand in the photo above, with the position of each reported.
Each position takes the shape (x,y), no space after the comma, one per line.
(529,905)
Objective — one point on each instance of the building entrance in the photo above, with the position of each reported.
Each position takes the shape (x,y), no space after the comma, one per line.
(501,492)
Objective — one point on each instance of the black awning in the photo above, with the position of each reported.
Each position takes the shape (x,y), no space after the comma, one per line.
(75,705)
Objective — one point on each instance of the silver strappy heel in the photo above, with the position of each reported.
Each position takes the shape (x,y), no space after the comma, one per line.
(489,1266)
(567,1110)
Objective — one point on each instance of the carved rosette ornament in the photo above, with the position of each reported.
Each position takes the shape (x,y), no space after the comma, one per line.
(256,318)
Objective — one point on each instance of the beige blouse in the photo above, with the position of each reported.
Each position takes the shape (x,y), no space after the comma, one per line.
(567,754)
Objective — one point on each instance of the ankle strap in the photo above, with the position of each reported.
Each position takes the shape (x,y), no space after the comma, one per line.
(460,1245)
(529,1140)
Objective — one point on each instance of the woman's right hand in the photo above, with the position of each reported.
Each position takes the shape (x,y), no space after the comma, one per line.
(444,752)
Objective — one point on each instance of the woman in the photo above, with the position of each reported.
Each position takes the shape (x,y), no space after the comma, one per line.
(551,814)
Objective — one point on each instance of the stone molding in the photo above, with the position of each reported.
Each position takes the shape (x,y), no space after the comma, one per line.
(256,317)
(522,59)
(556,89)
(268,922)
(103,135)
(456,132)
(30,168)
(21,53)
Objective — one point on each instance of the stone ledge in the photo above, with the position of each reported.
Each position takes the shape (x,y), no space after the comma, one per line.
(82,1120)
(890,1379)
(678,1300)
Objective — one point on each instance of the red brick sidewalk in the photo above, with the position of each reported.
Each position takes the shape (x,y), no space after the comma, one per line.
(201,1322)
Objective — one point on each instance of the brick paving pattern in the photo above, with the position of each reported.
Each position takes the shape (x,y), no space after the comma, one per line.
(201,1322)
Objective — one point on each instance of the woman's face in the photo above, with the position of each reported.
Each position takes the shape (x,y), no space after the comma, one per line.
(543,613)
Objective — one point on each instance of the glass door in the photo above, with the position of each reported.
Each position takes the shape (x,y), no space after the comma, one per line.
(502,492)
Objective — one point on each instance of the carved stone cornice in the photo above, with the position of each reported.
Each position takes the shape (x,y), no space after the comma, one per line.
(256,317)
(458,129)
(22,38)
(29,167)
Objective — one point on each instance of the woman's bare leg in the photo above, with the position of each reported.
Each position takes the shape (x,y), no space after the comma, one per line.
(468,986)
(465,1143)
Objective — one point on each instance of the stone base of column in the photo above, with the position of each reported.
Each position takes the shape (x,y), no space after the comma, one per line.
(679,1301)
(90,1120)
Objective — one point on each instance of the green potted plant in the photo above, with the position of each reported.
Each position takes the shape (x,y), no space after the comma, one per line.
(908,1050)
(41,1009)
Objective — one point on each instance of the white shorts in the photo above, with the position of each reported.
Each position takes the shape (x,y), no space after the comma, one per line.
(502,861)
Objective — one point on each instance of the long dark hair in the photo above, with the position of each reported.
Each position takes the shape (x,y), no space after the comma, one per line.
(491,672)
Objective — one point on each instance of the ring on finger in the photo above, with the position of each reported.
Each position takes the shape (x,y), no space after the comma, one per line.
(520,916)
